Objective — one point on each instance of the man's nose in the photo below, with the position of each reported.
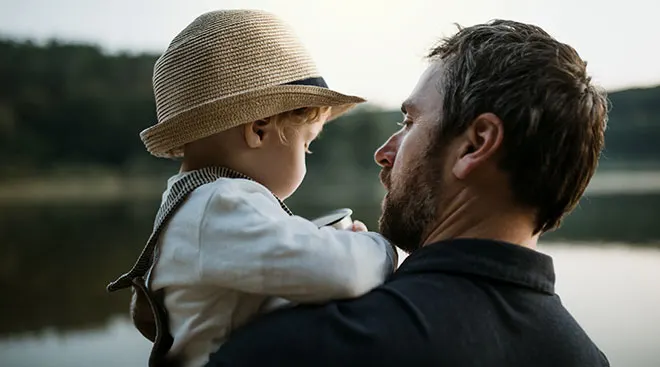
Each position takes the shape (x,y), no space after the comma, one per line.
(386,154)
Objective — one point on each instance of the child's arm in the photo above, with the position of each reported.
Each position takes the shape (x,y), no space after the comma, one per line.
(258,249)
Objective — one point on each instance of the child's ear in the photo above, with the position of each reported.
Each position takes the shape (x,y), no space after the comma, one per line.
(255,133)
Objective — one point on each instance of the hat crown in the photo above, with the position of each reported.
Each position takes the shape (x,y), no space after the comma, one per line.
(225,53)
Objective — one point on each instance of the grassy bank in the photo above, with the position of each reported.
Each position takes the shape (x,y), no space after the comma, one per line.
(80,188)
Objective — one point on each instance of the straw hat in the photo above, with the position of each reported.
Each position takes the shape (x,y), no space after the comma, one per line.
(228,68)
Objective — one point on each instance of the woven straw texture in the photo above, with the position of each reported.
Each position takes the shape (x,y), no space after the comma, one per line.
(228,68)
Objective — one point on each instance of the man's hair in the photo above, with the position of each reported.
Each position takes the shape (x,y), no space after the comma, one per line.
(296,118)
(554,118)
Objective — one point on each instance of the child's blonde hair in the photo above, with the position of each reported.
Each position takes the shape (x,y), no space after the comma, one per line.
(296,118)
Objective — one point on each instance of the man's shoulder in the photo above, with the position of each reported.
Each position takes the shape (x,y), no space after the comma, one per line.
(414,319)
(378,328)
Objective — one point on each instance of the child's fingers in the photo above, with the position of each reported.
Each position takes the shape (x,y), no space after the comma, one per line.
(359,226)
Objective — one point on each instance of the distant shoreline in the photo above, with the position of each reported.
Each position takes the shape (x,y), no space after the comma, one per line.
(115,187)
(625,182)
(105,187)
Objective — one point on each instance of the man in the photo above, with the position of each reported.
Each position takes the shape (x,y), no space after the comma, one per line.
(499,140)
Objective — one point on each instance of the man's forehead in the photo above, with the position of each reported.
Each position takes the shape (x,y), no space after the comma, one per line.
(427,90)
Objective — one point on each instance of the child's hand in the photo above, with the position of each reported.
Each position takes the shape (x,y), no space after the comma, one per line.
(358,226)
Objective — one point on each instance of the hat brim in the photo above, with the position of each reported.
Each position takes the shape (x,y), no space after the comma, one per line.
(167,138)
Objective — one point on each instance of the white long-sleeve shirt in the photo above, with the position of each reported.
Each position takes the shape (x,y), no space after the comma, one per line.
(230,248)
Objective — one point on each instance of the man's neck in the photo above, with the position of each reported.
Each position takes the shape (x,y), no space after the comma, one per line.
(476,217)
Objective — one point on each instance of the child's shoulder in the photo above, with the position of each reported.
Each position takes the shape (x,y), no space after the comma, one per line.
(228,196)
(240,192)
(228,187)
(239,198)
(222,185)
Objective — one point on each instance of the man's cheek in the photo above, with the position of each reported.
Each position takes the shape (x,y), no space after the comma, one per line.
(405,149)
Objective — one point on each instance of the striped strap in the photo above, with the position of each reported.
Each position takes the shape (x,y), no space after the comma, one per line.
(179,191)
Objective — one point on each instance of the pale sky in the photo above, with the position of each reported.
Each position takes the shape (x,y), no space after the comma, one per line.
(367,47)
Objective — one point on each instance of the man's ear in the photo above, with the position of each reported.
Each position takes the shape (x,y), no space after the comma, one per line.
(480,142)
(255,132)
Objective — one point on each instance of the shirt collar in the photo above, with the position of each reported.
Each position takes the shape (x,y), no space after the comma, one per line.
(487,258)
(217,172)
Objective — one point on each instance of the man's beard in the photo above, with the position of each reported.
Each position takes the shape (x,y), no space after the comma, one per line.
(409,208)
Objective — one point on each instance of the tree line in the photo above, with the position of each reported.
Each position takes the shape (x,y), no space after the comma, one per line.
(72,105)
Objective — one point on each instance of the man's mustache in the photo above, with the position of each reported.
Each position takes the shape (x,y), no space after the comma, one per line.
(385,177)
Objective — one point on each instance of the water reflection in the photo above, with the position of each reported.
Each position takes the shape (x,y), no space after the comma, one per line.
(116,344)
(56,260)
(628,218)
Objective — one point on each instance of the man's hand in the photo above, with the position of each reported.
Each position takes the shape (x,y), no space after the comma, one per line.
(358,226)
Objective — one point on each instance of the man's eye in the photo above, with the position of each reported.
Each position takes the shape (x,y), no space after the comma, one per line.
(405,123)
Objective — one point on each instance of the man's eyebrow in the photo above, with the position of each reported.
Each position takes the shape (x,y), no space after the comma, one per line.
(407,107)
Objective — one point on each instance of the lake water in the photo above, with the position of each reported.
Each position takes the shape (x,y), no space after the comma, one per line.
(55,261)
